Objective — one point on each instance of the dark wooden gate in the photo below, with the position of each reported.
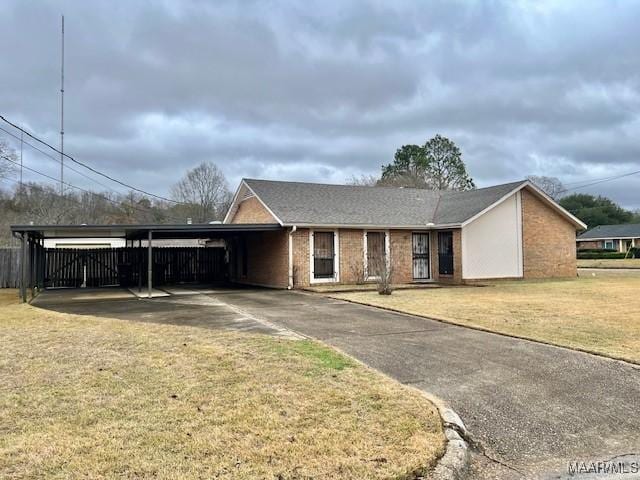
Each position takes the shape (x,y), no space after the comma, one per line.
(101,267)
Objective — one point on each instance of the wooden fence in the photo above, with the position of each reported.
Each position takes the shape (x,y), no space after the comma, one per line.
(9,267)
(126,267)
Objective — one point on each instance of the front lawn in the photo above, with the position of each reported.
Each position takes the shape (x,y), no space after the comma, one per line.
(597,313)
(610,263)
(89,397)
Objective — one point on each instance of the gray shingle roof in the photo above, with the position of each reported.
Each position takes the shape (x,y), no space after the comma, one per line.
(612,231)
(319,204)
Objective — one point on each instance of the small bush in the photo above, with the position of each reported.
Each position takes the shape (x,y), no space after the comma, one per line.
(597,250)
(384,277)
(600,256)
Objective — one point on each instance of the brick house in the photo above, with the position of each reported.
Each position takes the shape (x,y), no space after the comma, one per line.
(336,233)
(612,237)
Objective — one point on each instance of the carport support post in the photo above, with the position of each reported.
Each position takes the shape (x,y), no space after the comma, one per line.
(23,269)
(139,257)
(150,265)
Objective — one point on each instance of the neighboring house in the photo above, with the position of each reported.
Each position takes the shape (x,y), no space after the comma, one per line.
(89,243)
(613,237)
(84,243)
(335,233)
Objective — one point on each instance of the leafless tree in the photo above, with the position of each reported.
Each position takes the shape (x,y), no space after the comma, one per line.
(204,192)
(356,268)
(363,180)
(382,269)
(7,156)
(552,186)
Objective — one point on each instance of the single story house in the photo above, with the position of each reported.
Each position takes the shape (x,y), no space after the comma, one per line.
(612,237)
(342,234)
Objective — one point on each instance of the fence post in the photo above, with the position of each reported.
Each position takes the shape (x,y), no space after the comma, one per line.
(150,266)
(23,268)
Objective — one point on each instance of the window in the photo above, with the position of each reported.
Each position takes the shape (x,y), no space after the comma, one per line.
(608,245)
(376,253)
(323,255)
(445,253)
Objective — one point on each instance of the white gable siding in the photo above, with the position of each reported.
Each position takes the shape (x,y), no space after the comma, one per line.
(492,243)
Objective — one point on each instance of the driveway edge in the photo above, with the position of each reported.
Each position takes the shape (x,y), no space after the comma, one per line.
(504,334)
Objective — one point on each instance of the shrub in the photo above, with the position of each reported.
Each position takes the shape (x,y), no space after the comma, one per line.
(600,256)
(384,277)
(597,250)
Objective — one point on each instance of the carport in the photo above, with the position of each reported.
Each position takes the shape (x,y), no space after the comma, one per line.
(140,263)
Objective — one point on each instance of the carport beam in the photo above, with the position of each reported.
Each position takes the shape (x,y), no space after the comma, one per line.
(150,266)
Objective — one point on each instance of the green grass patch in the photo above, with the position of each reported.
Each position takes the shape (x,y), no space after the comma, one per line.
(319,356)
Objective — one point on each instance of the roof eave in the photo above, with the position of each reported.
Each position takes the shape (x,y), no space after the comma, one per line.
(357,226)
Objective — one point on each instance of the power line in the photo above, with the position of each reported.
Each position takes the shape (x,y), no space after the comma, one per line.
(57,160)
(602,180)
(88,167)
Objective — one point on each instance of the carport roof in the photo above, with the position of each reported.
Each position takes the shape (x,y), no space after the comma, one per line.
(141,231)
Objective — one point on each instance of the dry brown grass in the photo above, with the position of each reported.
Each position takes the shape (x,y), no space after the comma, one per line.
(610,263)
(600,314)
(88,397)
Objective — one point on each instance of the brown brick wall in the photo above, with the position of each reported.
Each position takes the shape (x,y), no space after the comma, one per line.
(267,259)
(351,256)
(591,244)
(548,240)
(301,258)
(252,211)
(401,256)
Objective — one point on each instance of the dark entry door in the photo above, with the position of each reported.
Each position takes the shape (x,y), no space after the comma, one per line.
(421,270)
(445,253)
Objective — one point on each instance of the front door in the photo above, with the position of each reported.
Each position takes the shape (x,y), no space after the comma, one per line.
(421,270)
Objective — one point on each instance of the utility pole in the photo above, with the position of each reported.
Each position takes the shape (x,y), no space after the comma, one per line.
(62,113)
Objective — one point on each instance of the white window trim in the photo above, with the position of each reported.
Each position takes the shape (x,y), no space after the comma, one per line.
(387,253)
(336,257)
(613,245)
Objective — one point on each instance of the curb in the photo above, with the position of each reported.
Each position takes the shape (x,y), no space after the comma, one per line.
(454,464)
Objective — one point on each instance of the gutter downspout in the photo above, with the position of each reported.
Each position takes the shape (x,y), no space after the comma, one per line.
(291,232)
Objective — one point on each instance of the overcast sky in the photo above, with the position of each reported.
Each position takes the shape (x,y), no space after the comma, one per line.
(320,91)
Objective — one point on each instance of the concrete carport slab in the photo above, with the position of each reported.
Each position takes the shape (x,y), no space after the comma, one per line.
(192,309)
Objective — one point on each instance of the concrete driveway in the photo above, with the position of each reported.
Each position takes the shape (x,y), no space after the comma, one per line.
(531,408)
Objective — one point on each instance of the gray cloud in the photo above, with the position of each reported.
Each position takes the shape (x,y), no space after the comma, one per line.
(323,90)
